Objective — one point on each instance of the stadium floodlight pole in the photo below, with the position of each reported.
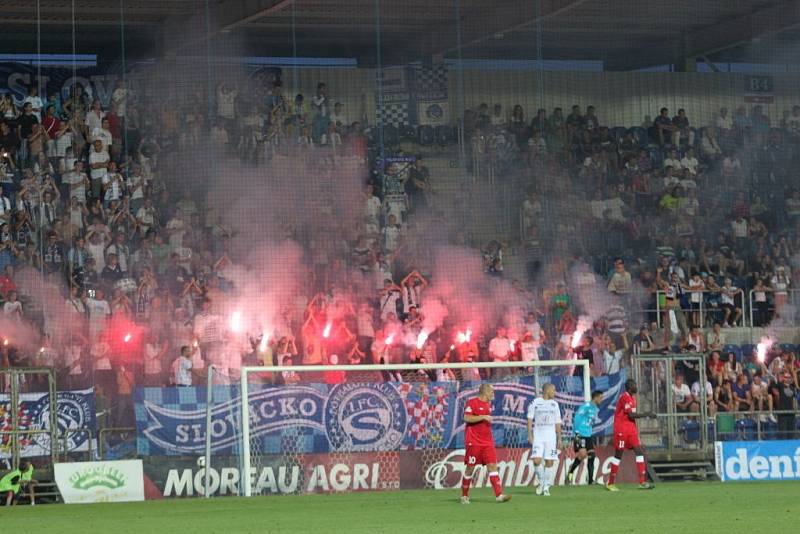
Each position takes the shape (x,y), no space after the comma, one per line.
(245,421)
(209,409)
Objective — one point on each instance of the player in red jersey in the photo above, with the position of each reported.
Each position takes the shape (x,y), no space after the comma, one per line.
(479,443)
(626,436)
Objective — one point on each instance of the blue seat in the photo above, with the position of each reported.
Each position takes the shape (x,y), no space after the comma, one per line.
(747,350)
(769,430)
(746,430)
(691,431)
(618,133)
(788,346)
(640,134)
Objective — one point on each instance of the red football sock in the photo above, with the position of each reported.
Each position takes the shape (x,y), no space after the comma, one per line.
(494,478)
(612,477)
(640,466)
(465,483)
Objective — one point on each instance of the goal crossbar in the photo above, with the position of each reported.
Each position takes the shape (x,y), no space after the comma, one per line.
(246,371)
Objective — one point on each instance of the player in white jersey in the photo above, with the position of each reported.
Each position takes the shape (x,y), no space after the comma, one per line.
(544,433)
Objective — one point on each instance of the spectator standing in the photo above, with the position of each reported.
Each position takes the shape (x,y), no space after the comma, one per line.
(784,399)
(499,351)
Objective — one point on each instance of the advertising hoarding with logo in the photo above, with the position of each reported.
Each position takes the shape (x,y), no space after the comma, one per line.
(757,460)
(170,476)
(92,482)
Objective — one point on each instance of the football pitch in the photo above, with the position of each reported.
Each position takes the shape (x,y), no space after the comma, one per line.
(705,506)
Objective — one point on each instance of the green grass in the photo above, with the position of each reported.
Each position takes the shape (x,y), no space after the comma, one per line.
(680,507)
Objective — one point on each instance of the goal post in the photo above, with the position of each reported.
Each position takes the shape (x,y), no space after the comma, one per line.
(371,414)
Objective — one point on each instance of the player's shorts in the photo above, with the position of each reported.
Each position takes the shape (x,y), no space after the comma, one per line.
(545,449)
(580,442)
(626,440)
(480,455)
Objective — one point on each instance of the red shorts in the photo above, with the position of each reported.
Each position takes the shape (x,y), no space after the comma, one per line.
(480,455)
(626,440)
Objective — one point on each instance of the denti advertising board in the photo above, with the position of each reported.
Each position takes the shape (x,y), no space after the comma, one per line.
(757,460)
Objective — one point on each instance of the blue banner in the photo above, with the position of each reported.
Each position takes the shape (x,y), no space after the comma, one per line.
(318,418)
(758,460)
(75,410)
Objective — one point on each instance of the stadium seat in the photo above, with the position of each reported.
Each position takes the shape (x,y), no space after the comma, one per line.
(746,430)
(618,133)
(408,132)
(769,430)
(391,136)
(444,135)
(640,134)
(725,426)
(690,431)
(426,135)
(747,350)
(788,346)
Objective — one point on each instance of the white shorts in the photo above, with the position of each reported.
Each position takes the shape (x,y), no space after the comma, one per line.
(545,449)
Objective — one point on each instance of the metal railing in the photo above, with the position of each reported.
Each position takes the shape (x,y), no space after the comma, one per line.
(65,453)
(764,429)
(702,308)
(792,298)
(104,435)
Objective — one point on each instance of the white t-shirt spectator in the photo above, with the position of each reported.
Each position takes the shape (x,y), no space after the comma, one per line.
(98,157)
(12,309)
(181,371)
(612,361)
(499,348)
(739,228)
(113,183)
(698,286)
(675,163)
(690,163)
(724,123)
(152,361)
(681,393)
(62,142)
(597,208)
(391,235)
(225,104)
(709,390)
(104,136)
(529,350)
(94,120)
(98,310)
(99,353)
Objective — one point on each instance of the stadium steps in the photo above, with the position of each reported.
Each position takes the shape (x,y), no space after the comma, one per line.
(681,470)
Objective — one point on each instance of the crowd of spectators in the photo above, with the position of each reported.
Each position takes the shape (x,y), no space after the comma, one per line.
(141,260)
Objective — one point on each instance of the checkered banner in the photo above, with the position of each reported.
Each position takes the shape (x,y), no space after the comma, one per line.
(430,104)
(318,418)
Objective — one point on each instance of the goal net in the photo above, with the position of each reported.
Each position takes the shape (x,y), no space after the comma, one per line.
(308,429)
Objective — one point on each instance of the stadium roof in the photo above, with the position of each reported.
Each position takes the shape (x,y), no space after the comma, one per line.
(624,34)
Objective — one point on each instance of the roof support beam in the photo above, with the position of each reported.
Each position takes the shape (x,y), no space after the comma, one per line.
(222,18)
(548,9)
(727,34)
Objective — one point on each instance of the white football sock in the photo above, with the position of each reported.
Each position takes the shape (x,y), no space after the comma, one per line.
(549,474)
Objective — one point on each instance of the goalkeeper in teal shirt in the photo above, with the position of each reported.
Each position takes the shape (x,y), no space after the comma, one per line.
(583,443)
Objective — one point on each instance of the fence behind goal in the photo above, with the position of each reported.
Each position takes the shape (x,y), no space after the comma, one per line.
(310,429)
